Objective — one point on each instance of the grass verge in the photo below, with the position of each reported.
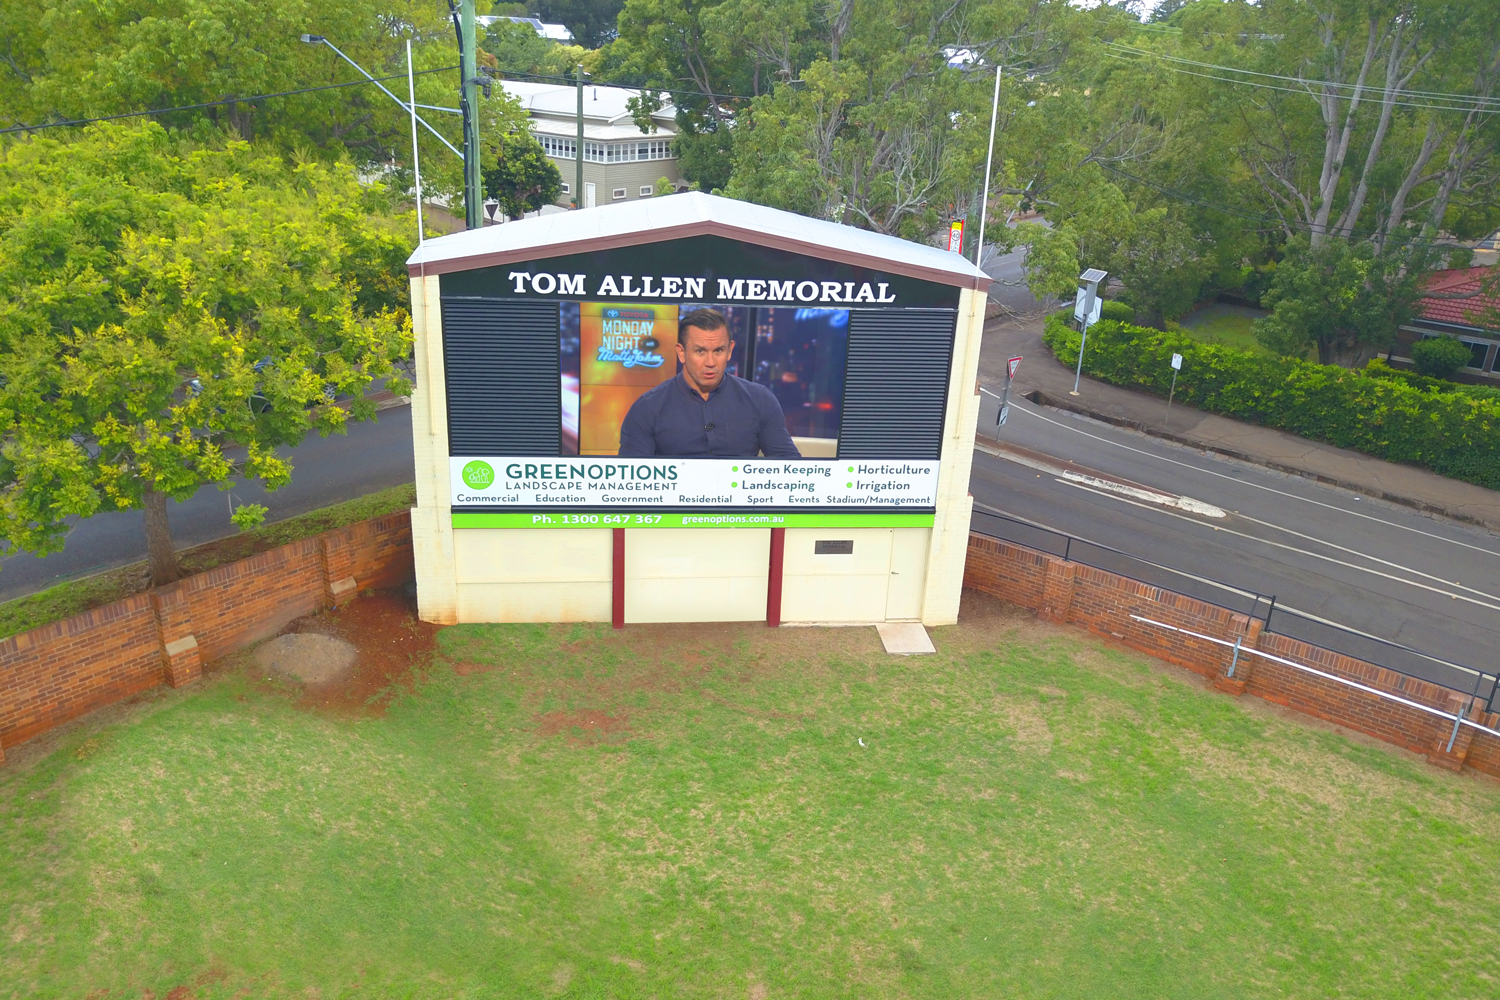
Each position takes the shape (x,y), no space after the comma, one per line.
(1223,323)
(76,596)
(733,811)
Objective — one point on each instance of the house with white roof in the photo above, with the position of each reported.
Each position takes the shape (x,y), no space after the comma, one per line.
(621,162)
(551,32)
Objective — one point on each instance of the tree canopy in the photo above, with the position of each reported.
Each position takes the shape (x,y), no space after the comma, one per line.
(171,312)
(1183,155)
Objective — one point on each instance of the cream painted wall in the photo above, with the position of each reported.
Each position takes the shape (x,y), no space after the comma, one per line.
(631,176)
(883,579)
(531,575)
(696,574)
(950,530)
(431,518)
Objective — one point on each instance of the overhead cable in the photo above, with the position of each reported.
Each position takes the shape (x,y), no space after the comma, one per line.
(1267,220)
(1369,94)
(1434,94)
(214,104)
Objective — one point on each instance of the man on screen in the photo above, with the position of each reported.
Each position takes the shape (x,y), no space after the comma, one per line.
(705,412)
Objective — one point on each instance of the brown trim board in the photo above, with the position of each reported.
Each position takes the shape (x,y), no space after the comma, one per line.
(473,262)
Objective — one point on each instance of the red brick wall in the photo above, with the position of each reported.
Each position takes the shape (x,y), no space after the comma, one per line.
(1103,602)
(63,670)
(239,603)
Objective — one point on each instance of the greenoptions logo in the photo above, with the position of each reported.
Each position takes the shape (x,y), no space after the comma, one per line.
(479,475)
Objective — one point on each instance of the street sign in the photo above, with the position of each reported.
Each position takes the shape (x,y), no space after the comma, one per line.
(1081,303)
(1004,414)
(956,236)
(1011,366)
(1177,362)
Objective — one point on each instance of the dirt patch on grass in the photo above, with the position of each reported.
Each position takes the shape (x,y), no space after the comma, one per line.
(584,727)
(613,679)
(391,644)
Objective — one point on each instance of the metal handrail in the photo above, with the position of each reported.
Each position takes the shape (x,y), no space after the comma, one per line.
(1347,682)
(1271,607)
(1067,556)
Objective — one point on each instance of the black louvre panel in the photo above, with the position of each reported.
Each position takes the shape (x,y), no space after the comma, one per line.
(896,383)
(501,360)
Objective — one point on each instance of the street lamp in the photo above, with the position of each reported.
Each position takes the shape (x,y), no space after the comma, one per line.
(1086,309)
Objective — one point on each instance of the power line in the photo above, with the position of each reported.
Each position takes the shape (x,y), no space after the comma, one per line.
(1373,97)
(1434,94)
(1265,220)
(1304,92)
(215,104)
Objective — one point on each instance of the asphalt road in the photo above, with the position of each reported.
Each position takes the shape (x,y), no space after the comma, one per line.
(1009,289)
(373,456)
(1326,555)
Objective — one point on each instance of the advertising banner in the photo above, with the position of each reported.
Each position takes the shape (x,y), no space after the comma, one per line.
(811,484)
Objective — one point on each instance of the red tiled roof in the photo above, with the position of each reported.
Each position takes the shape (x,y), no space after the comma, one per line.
(1477,311)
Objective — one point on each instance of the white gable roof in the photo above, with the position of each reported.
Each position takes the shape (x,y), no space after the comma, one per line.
(652,220)
(602,104)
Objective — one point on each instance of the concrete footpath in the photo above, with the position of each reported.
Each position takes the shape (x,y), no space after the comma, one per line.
(1047,381)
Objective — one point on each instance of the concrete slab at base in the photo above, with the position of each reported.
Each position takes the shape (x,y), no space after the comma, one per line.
(905,638)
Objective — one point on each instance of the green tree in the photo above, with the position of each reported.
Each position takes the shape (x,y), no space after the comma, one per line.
(74,59)
(1162,267)
(522,179)
(592,22)
(167,304)
(1341,298)
(519,50)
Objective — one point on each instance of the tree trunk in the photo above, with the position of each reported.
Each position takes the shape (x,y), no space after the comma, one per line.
(159,552)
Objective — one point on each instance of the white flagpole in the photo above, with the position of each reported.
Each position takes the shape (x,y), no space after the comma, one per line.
(416,170)
(984,196)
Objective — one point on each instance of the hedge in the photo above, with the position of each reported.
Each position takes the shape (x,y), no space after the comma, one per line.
(1452,433)
(1416,380)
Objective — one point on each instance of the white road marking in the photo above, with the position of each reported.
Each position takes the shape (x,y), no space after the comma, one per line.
(1150,496)
(1163,499)
(1244,482)
(1366,555)
(1293,548)
(1233,590)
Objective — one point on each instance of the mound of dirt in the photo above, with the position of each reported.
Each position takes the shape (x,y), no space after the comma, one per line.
(309,657)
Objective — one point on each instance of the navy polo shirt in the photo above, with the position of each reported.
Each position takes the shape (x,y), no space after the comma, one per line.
(739,419)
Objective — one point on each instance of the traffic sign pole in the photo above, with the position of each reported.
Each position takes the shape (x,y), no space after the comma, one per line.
(1176,367)
(1010,373)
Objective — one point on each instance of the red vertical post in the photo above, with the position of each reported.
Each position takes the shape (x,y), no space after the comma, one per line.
(617,612)
(773,578)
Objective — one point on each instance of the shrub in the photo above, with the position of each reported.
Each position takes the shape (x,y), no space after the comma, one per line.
(1379,369)
(1121,312)
(1453,433)
(1439,357)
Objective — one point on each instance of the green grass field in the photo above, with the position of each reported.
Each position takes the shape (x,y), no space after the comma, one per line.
(1223,323)
(687,811)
